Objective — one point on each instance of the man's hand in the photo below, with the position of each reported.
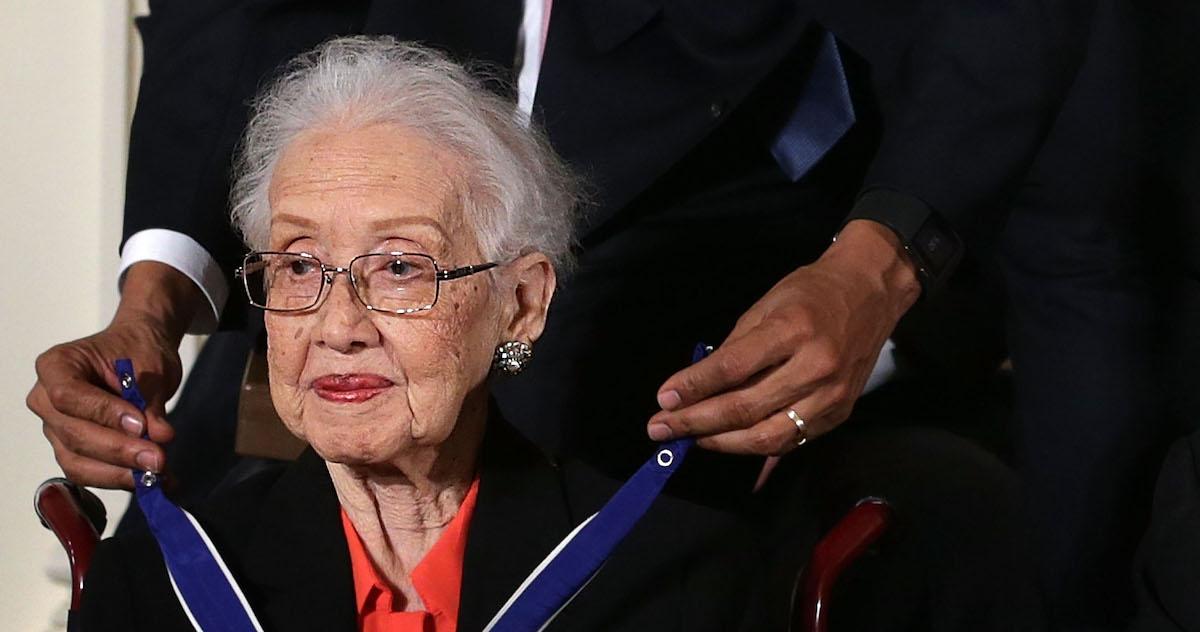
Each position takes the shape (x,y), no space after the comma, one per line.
(96,434)
(808,345)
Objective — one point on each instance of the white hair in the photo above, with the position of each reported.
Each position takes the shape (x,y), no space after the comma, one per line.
(518,195)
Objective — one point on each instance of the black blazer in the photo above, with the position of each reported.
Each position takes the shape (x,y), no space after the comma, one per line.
(684,567)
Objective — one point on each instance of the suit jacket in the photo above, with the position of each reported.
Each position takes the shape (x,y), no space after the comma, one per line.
(629,88)
(684,567)
(669,110)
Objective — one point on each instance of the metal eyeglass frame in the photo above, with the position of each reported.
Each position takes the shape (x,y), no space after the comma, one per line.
(328,272)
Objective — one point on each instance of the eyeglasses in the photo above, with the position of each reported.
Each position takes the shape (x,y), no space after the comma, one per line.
(393,282)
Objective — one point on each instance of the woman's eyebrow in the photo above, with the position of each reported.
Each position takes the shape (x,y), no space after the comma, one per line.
(296,220)
(381,225)
(424,223)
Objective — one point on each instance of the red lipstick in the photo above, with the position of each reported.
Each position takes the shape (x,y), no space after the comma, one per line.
(350,388)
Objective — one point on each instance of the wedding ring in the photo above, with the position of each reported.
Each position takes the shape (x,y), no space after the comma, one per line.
(801,427)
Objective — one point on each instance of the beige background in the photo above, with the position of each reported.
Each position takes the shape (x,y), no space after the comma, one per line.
(66,92)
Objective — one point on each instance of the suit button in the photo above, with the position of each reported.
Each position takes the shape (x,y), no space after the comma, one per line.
(716,109)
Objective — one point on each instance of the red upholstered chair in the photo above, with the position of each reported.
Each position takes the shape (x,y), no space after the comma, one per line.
(77,517)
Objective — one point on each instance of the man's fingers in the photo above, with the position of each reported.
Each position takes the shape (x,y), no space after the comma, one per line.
(95,433)
(774,436)
(778,434)
(92,441)
(86,438)
(733,410)
(85,471)
(732,364)
(81,400)
(769,465)
(161,430)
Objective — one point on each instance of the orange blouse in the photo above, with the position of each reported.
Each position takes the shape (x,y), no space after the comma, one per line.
(437,579)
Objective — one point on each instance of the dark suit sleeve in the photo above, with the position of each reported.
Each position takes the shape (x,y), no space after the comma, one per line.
(204,62)
(179,148)
(967,92)
(1167,568)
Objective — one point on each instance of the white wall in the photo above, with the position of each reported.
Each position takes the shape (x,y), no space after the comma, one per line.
(64,95)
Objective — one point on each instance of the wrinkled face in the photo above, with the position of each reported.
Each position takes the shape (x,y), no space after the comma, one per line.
(366,387)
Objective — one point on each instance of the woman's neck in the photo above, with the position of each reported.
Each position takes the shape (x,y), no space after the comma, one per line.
(400,510)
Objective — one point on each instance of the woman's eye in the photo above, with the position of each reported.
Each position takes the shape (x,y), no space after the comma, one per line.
(299,267)
(399,268)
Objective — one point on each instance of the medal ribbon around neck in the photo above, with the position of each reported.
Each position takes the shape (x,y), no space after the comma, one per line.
(566,571)
(206,590)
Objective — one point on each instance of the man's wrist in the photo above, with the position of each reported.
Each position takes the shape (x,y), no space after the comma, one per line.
(929,241)
(161,296)
(874,251)
(186,255)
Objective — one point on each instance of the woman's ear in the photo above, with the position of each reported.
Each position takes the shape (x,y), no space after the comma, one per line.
(532,282)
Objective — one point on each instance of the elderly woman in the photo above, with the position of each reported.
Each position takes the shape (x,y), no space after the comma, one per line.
(407,228)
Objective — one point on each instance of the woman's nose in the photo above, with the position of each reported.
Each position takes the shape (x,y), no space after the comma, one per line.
(345,324)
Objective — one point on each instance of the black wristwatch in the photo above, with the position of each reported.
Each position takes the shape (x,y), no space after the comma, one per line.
(933,246)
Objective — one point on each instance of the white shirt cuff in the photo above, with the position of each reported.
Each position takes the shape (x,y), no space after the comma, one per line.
(186,255)
(885,367)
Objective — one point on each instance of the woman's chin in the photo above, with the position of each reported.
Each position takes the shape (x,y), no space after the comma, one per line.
(349,445)
(369,439)
(347,455)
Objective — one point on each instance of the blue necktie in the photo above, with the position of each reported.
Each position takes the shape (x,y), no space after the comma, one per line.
(823,115)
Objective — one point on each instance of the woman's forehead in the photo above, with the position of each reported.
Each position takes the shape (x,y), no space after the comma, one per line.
(372,178)
(380,159)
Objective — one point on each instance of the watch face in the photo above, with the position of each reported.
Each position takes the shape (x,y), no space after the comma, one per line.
(936,247)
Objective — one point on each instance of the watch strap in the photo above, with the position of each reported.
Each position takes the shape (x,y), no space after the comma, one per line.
(932,245)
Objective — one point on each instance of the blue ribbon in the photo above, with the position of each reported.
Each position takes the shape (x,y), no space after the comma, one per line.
(207,592)
(214,602)
(568,569)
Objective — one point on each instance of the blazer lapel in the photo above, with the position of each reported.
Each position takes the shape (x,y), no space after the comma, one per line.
(309,591)
(520,515)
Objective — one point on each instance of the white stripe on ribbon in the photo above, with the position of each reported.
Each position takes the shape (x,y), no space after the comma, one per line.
(237,590)
(537,571)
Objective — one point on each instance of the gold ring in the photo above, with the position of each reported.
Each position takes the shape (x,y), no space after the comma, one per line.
(801,427)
